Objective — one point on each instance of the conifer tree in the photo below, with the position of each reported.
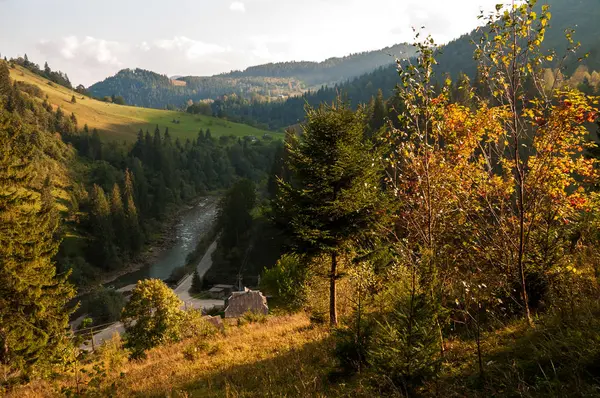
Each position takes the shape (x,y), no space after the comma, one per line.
(33,317)
(131,216)
(5,86)
(103,250)
(333,191)
(379,113)
(117,211)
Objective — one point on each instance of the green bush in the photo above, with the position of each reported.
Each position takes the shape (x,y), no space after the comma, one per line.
(286,281)
(104,306)
(152,316)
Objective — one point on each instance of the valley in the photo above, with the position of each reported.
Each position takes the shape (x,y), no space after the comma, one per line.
(360,226)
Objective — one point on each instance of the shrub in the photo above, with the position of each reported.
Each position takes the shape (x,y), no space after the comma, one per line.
(194,325)
(352,346)
(176,275)
(153,316)
(104,306)
(252,317)
(287,281)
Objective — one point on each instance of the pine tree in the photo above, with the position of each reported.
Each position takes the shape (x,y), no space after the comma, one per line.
(103,250)
(131,216)
(5,86)
(33,299)
(117,211)
(141,186)
(95,147)
(333,191)
(196,283)
(379,113)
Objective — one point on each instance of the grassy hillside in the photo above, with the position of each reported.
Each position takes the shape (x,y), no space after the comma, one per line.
(123,122)
(288,356)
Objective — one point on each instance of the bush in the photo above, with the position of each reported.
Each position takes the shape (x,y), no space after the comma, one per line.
(177,275)
(195,326)
(287,281)
(104,306)
(152,316)
(252,317)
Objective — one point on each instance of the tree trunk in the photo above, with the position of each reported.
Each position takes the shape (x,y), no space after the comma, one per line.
(332,291)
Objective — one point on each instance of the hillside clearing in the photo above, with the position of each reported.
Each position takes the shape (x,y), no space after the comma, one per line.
(122,122)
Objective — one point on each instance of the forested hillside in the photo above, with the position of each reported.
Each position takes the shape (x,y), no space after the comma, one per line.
(145,88)
(259,83)
(331,70)
(114,194)
(454,58)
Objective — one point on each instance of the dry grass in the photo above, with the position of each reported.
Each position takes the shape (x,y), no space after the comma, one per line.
(285,356)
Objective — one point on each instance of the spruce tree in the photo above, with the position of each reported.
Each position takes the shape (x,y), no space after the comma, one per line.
(103,250)
(333,194)
(131,216)
(117,211)
(33,299)
(379,113)
(5,86)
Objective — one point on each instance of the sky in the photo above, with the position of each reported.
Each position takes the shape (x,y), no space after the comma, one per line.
(93,39)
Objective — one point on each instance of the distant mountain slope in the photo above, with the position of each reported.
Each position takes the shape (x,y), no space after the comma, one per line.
(264,82)
(149,89)
(123,122)
(331,70)
(454,58)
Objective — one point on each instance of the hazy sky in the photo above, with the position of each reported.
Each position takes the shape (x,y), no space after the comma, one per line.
(93,39)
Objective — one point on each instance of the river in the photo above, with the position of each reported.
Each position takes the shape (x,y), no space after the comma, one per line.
(192,225)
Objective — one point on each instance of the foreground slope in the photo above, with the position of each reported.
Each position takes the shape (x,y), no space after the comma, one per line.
(123,122)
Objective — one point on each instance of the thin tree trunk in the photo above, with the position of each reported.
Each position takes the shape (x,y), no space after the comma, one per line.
(332,291)
(519,169)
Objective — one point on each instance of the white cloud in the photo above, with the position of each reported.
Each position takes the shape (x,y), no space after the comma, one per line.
(237,6)
(88,59)
(202,43)
(92,51)
(193,49)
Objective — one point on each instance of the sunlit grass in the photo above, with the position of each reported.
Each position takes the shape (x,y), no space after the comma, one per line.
(123,122)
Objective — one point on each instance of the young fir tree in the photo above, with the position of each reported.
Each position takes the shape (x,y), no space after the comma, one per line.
(33,317)
(333,191)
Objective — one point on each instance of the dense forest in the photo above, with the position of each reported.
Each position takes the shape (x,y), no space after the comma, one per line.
(332,70)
